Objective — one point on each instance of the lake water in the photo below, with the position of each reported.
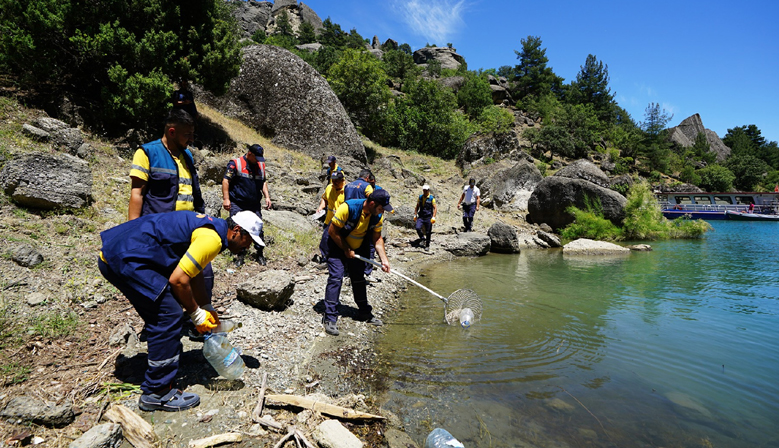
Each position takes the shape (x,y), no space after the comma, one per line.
(674,347)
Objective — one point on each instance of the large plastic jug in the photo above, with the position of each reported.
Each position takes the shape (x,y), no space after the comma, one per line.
(440,438)
(225,359)
(466,317)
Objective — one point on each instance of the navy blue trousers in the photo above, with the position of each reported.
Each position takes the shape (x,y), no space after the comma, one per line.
(337,265)
(163,328)
(468,211)
(424,229)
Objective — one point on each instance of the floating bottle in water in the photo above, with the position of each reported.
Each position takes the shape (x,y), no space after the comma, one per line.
(440,438)
(466,317)
(225,358)
(226,326)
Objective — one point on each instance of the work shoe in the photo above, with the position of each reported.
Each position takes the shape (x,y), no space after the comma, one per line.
(331,328)
(427,248)
(261,259)
(173,401)
(238,260)
(375,321)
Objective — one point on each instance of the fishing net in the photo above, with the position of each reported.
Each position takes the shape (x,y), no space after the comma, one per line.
(457,306)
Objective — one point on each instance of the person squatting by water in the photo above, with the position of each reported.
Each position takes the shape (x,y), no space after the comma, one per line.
(424,216)
(354,223)
(470,200)
(243,187)
(156,262)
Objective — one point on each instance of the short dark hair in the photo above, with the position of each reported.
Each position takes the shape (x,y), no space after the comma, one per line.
(178,117)
(365,173)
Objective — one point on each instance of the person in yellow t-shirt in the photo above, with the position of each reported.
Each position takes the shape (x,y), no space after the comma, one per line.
(163,175)
(354,223)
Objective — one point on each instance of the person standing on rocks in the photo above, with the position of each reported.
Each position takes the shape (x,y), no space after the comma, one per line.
(164,179)
(332,167)
(359,188)
(156,262)
(354,224)
(332,198)
(243,187)
(470,199)
(424,216)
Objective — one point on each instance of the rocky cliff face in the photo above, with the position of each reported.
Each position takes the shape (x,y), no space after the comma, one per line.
(688,130)
(253,16)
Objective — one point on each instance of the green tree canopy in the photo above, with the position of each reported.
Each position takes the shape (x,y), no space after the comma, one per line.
(716,178)
(474,95)
(400,65)
(748,169)
(592,87)
(359,81)
(533,75)
(118,58)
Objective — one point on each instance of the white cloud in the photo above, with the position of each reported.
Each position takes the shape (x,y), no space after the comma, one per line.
(435,20)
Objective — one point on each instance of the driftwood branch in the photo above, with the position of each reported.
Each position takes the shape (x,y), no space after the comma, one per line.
(230,437)
(257,412)
(290,433)
(135,429)
(324,408)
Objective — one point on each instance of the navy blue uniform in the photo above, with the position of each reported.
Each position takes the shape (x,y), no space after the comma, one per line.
(140,256)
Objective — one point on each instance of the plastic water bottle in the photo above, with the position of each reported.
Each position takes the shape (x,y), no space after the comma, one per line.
(225,359)
(466,317)
(226,326)
(440,438)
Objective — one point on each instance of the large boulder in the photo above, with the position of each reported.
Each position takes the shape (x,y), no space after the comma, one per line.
(585,170)
(287,220)
(584,246)
(510,188)
(269,291)
(553,195)
(68,140)
(66,181)
(503,239)
(403,217)
(286,100)
(448,57)
(452,82)
(49,124)
(688,130)
(487,146)
(467,244)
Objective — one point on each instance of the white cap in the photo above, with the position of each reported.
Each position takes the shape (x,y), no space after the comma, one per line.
(250,222)
(426,187)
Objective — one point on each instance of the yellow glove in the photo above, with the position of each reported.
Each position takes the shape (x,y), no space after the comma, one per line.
(204,321)
(432,220)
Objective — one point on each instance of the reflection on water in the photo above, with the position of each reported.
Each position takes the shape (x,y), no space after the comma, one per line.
(674,347)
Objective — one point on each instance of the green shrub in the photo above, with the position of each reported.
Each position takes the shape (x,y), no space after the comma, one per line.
(542,168)
(643,217)
(495,119)
(590,223)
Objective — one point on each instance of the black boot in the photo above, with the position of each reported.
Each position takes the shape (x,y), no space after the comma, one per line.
(261,258)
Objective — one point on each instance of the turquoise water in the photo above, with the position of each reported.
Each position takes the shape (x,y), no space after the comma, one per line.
(674,347)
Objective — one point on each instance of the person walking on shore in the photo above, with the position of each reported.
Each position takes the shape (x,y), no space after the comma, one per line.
(243,187)
(354,224)
(470,200)
(424,216)
(156,262)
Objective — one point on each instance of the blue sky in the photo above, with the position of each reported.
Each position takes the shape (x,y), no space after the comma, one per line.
(716,58)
